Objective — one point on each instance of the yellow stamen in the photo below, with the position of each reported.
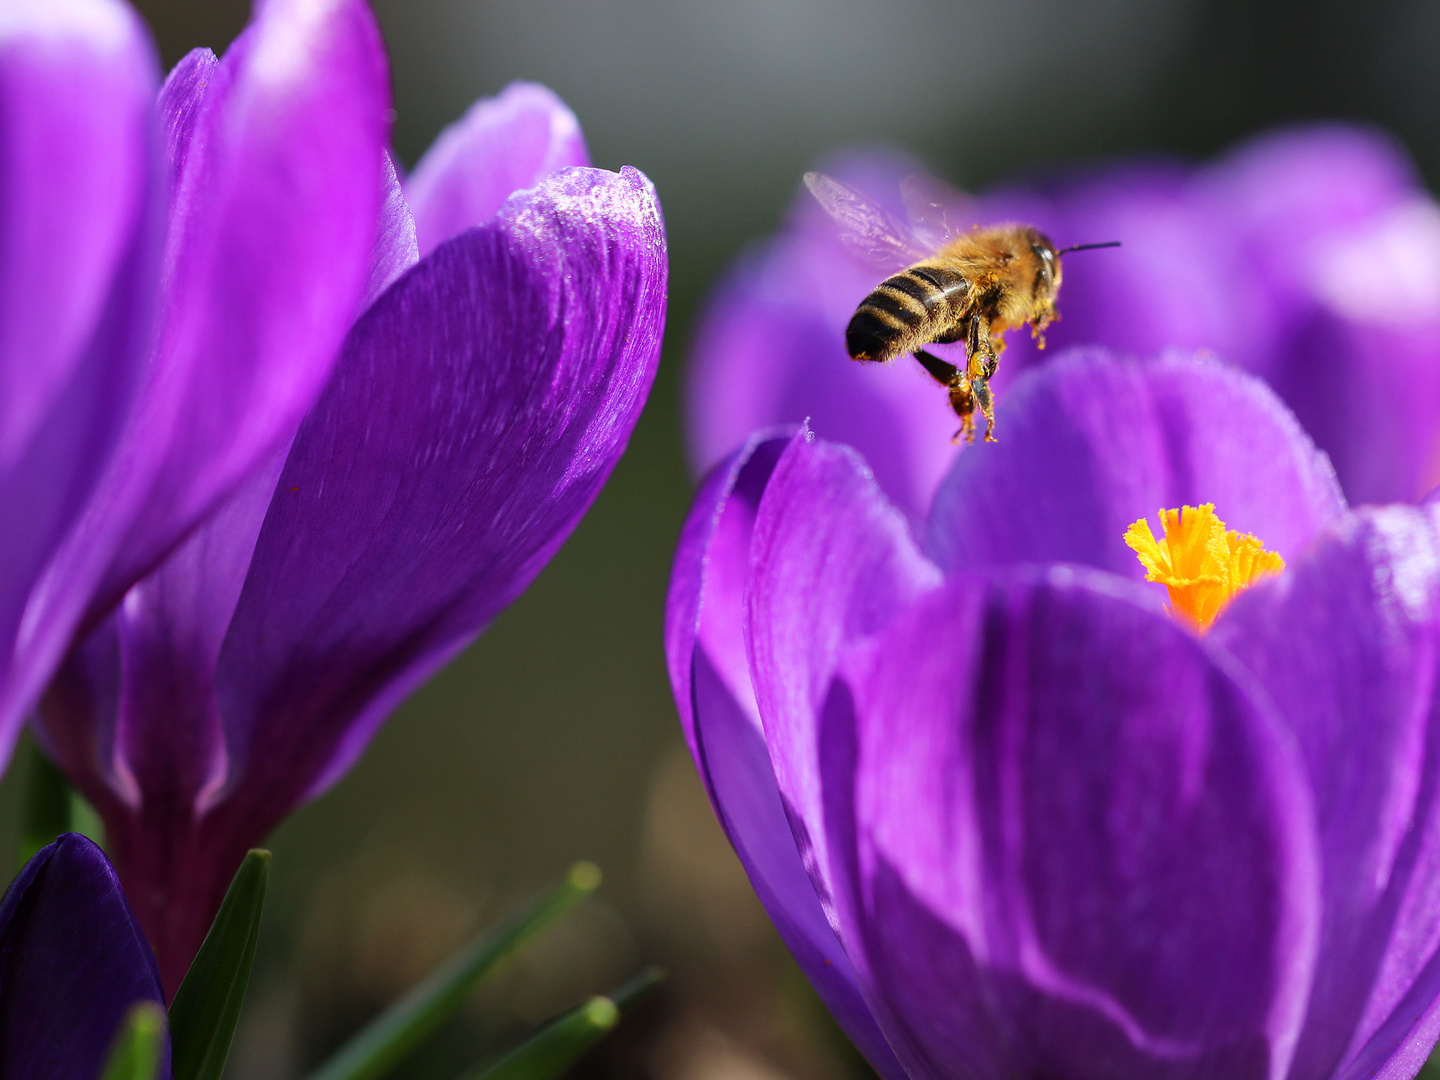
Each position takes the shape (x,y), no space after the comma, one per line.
(1203,564)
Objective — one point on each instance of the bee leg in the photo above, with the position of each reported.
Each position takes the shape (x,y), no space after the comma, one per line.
(953,379)
(939,370)
(981,349)
(980,392)
(962,400)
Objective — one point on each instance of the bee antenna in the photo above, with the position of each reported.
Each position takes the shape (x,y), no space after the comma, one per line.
(1089,247)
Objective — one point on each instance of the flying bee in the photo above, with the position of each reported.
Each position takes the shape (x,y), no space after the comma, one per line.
(968,286)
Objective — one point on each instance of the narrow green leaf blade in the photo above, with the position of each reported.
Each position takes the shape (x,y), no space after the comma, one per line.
(629,993)
(415,1016)
(135,1054)
(45,812)
(555,1047)
(207,1005)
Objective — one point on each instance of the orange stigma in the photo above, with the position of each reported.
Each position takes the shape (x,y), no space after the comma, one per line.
(1201,562)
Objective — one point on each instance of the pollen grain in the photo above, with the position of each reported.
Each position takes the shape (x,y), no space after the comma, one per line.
(1201,562)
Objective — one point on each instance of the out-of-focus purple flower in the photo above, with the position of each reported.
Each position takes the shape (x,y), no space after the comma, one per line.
(1011,816)
(477,408)
(176,276)
(73,962)
(1310,257)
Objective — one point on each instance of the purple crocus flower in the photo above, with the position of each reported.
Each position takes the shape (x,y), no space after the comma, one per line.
(176,276)
(72,963)
(1011,815)
(1308,256)
(477,408)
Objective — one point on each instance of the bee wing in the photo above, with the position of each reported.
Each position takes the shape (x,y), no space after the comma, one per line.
(865,228)
(937,211)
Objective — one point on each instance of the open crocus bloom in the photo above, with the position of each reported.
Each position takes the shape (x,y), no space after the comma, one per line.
(510,332)
(1015,818)
(72,963)
(1308,256)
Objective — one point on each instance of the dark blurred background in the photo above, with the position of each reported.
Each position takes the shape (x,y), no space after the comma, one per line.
(554,737)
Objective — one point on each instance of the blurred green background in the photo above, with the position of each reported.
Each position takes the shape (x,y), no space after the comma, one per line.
(554,737)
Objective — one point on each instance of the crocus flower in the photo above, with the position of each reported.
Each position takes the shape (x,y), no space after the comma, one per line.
(72,964)
(477,408)
(1308,256)
(1013,814)
(177,273)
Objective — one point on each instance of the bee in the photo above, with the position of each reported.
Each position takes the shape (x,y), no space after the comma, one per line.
(969,286)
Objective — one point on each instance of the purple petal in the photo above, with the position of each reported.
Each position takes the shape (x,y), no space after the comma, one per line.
(706,599)
(77,263)
(72,963)
(1345,645)
(502,145)
(1285,191)
(1073,845)
(76,82)
(831,561)
(708,672)
(478,408)
(1359,369)
(181,104)
(1348,246)
(1089,444)
(395,247)
(271,235)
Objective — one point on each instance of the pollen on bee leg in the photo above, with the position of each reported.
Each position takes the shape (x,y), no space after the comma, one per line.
(962,400)
(1201,562)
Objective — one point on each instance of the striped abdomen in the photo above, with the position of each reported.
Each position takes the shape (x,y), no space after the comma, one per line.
(906,311)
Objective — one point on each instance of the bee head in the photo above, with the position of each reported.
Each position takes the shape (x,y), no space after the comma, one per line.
(1047,279)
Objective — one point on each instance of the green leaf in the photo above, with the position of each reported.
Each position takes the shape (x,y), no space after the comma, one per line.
(84,819)
(51,806)
(555,1047)
(630,993)
(207,1005)
(135,1053)
(45,813)
(412,1019)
